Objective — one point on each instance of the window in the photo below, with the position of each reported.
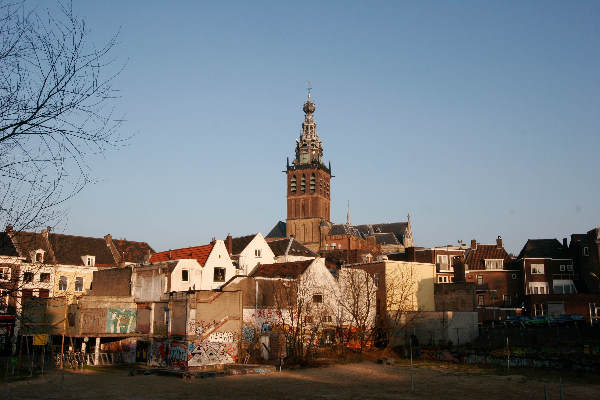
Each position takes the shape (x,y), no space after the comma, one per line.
(39,256)
(506,299)
(219,275)
(293,184)
(563,286)
(480,279)
(79,284)
(443,279)
(184,275)
(317,298)
(257,253)
(494,264)
(44,277)
(562,267)
(481,300)
(90,261)
(303,184)
(28,277)
(44,293)
(537,269)
(313,183)
(538,288)
(586,251)
(569,268)
(514,276)
(5,273)
(63,282)
(442,260)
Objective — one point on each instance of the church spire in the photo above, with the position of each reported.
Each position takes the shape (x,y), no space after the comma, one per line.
(348,214)
(309,148)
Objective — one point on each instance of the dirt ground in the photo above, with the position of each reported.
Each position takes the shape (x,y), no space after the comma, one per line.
(365,380)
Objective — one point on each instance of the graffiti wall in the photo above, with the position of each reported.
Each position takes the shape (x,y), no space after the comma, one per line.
(218,348)
(121,320)
(122,351)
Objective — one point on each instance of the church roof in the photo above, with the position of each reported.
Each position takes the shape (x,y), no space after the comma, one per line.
(399,229)
(345,229)
(386,238)
(278,231)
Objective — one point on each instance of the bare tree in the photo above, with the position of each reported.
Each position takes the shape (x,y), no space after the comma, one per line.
(56,111)
(356,299)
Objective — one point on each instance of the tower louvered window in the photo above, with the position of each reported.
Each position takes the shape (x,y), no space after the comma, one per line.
(303,184)
(293,184)
(313,183)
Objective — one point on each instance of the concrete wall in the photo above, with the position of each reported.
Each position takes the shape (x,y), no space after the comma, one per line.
(437,328)
(112,282)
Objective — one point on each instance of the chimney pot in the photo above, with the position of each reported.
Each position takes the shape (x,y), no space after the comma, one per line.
(9,228)
(499,242)
(473,244)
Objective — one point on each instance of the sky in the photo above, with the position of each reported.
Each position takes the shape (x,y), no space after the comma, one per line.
(476,118)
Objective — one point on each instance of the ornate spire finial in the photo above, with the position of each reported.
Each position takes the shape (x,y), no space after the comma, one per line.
(308,88)
(348,214)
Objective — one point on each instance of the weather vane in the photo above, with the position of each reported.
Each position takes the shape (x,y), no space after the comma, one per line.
(309,86)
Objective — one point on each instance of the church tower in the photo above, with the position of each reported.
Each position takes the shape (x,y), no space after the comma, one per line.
(308,180)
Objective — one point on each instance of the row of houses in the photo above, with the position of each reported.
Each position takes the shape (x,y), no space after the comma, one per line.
(239,297)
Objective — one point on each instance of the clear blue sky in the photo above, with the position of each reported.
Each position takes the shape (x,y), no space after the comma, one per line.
(477,118)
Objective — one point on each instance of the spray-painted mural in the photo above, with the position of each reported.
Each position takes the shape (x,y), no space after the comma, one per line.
(218,348)
(121,320)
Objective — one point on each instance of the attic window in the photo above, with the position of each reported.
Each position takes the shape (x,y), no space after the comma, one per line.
(184,275)
(39,256)
(90,261)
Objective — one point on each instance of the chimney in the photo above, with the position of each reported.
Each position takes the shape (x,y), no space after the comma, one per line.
(499,242)
(565,243)
(459,270)
(9,228)
(410,254)
(229,244)
(170,254)
(213,240)
(473,244)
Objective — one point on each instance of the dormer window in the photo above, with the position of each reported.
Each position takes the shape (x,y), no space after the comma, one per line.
(494,264)
(39,256)
(89,261)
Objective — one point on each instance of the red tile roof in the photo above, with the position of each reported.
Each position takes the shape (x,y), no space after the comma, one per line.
(199,253)
(475,259)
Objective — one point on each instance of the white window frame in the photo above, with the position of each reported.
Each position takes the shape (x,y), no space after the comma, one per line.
(494,263)
(442,259)
(586,251)
(537,269)
(5,273)
(538,288)
(257,253)
(187,271)
(563,267)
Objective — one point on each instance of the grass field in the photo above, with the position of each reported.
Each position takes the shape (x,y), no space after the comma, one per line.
(364,380)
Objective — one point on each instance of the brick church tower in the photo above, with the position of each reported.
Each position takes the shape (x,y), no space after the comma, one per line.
(308,185)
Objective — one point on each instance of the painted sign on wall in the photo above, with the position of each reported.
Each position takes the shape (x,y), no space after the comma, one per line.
(121,320)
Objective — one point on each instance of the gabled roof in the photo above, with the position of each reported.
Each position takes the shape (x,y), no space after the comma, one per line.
(397,228)
(135,252)
(475,259)
(238,244)
(7,247)
(198,253)
(69,249)
(544,248)
(289,270)
(289,247)
(278,231)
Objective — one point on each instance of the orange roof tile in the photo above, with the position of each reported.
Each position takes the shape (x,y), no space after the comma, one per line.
(199,253)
